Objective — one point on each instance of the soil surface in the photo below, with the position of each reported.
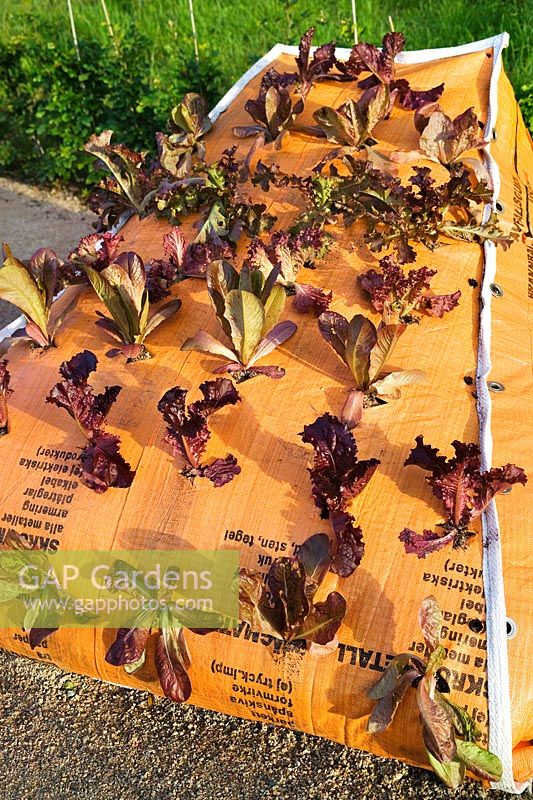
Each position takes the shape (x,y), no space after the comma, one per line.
(66,737)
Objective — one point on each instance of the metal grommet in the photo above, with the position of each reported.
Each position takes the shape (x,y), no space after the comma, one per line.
(511,628)
(496,386)
(498,205)
(496,290)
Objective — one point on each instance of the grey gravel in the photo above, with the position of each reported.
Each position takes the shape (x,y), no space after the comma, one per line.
(66,737)
(29,221)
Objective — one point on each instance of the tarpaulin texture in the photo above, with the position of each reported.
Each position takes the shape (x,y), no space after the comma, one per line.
(270,501)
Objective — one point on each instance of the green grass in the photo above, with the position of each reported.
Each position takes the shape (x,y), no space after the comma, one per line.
(49,104)
(241,31)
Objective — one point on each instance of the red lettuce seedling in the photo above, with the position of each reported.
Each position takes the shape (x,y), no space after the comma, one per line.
(248,306)
(315,68)
(181,261)
(365,350)
(282,603)
(132,184)
(189,122)
(465,492)
(445,140)
(352,123)
(337,477)
(273,112)
(449,733)
(33,288)
(172,658)
(160,617)
(188,431)
(379,62)
(214,189)
(97,250)
(5,391)
(102,464)
(122,289)
(290,253)
(399,297)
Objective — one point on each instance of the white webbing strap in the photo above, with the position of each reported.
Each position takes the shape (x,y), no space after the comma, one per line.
(499,698)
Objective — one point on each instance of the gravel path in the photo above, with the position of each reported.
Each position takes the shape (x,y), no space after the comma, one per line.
(29,221)
(65,737)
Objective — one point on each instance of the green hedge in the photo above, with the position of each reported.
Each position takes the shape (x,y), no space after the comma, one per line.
(50,103)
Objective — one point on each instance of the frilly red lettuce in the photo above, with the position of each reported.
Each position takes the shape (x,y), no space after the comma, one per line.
(97,250)
(188,431)
(400,296)
(336,478)
(463,488)
(102,464)
(182,260)
(379,62)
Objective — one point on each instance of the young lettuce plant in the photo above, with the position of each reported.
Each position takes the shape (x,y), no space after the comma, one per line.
(213,188)
(365,350)
(292,252)
(449,733)
(316,68)
(33,289)
(131,187)
(5,391)
(248,306)
(188,431)
(97,250)
(400,297)
(282,603)
(172,659)
(167,623)
(351,124)
(273,112)
(464,489)
(379,62)
(12,561)
(336,478)
(102,464)
(446,141)
(122,289)
(181,261)
(189,122)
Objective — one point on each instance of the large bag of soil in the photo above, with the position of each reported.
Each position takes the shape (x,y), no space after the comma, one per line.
(478,365)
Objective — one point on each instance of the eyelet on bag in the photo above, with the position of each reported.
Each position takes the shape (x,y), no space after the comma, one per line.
(496,386)
(511,628)
(498,205)
(496,290)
